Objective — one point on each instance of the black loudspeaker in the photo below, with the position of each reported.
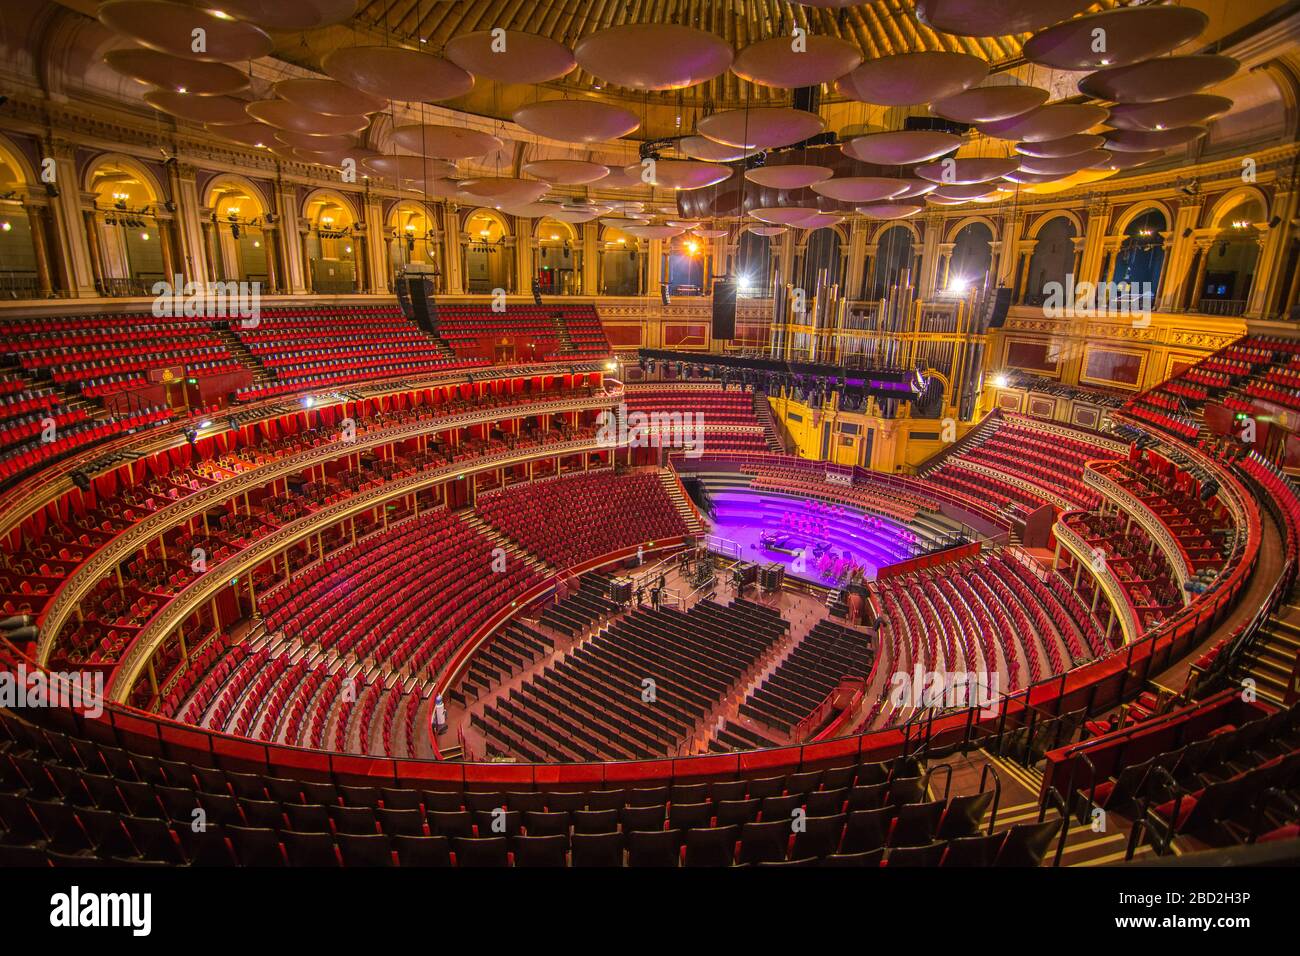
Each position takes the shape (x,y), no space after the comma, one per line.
(423,309)
(537,290)
(724,308)
(663,294)
(771,576)
(999,304)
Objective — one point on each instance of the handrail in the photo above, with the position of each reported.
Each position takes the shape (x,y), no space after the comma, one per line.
(997,792)
(1054,796)
(931,771)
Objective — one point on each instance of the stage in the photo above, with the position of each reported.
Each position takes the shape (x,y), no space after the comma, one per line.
(816,541)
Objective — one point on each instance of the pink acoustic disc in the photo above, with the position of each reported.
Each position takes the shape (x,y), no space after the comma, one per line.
(313,141)
(903,146)
(284,115)
(504,189)
(1191,110)
(995,18)
(218,110)
(1064,165)
(906,79)
(988,104)
(764,127)
(977,169)
(169,28)
(1127,35)
(510,56)
(445,142)
(703,148)
(682,173)
(653,56)
(1065,146)
(290,14)
(397,73)
(1163,78)
(786,64)
(328,96)
(860,189)
(409,167)
(566,172)
(791,176)
(891,210)
(1141,141)
(577,121)
(177,73)
(250,134)
(1047,122)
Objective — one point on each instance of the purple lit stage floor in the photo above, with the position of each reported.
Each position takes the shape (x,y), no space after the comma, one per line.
(743,515)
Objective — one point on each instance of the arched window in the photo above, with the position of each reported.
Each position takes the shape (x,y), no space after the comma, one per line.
(822,252)
(412,237)
(19,271)
(123,230)
(1141,257)
(620,263)
(1052,261)
(239,246)
(972,254)
(754,266)
(487,257)
(894,256)
(559,258)
(1230,266)
(329,248)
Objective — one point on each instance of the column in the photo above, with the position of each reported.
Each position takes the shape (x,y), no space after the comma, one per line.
(91,230)
(380,270)
(590,237)
(271,241)
(287,227)
(165,246)
(857,260)
(36,222)
(69,224)
(452,271)
(1198,283)
(189,235)
(1094,238)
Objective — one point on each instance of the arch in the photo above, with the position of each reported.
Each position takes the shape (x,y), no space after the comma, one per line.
(557,259)
(881,228)
(1140,259)
(1235,199)
(490,214)
(411,236)
(487,258)
(896,250)
(969,220)
(324,196)
(1140,209)
(13,157)
(972,255)
(151,189)
(620,269)
(232,182)
(1053,257)
(1051,216)
(824,248)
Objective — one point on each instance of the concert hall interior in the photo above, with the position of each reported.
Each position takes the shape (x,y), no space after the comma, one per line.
(695,433)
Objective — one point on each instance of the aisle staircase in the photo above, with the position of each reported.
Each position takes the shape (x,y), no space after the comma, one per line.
(677,495)
(1271,658)
(472,520)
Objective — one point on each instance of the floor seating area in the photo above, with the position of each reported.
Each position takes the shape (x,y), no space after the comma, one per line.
(568,520)
(827,654)
(637,689)
(559,332)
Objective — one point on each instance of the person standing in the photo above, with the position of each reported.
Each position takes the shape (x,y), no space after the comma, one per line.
(439,715)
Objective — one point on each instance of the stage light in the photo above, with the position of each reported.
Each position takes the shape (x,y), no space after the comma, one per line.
(611,366)
(308,401)
(207,422)
(742,283)
(1000,380)
(957,285)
